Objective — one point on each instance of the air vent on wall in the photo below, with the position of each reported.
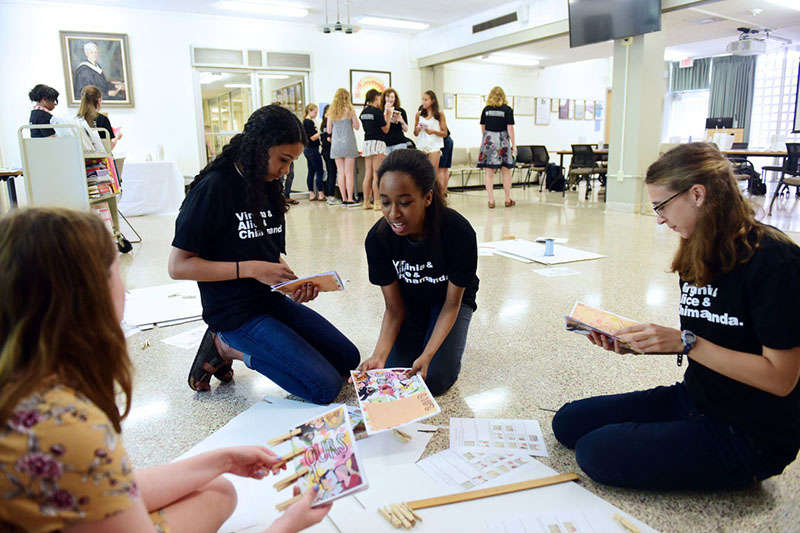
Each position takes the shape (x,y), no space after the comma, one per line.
(494,23)
(287,60)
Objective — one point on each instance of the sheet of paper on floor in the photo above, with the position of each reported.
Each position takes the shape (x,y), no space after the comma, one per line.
(588,520)
(497,435)
(384,453)
(553,272)
(460,471)
(163,303)
(188,340)
(527,252)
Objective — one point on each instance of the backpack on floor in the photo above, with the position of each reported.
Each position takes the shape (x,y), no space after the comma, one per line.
(554,178)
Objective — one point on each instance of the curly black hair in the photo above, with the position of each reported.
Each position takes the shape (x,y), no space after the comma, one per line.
(43,92)
(268,126)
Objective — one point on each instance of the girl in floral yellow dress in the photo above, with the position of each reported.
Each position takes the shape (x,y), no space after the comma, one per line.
(62,361)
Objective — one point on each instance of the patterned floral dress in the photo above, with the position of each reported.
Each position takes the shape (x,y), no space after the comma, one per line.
(62,463)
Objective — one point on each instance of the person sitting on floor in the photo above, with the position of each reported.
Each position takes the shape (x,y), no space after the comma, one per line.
(735,418)
(63,359)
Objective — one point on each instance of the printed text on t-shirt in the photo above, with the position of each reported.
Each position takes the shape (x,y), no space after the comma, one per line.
(415,274)
(693,298)
(247,227)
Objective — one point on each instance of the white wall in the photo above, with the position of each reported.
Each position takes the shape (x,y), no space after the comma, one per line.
(585,80)
(162,76)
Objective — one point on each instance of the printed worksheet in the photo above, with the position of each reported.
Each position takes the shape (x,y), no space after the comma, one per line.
(497,434)
(575,521)
(462,470)
(390,398)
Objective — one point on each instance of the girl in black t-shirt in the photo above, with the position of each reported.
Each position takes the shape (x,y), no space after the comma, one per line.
(46,99)
(375,129)
(398,121)
(311,151)
(424,257)
(229,237)
(735,418)
(498,144)
(91,102)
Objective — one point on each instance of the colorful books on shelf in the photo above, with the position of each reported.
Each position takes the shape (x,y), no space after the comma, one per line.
(101,176)
(102,210)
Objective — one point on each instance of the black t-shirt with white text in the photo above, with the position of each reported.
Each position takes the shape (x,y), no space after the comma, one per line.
(311,130)
(422,268)
(372,119)
(755,305)
(216,224)
(396,134)
(497,118)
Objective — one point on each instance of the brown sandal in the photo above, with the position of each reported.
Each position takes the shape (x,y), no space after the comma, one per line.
(206,363)
(491,205)
(511,203)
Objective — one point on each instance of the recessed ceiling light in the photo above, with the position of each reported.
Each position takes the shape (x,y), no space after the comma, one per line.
(791,4)
(393,23)
(273,76)
(276,9)
(519,60)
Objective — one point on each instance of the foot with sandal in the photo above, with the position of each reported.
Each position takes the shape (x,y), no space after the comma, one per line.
(213,358)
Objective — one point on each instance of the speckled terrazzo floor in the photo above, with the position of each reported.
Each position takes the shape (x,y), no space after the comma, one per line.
(519,361)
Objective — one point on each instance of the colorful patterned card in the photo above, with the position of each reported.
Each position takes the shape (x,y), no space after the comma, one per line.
(584,319)
(389,398)
(331,456)
(329,281)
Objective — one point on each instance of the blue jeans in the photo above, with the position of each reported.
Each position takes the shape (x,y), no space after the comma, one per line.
(658,439)
(414,334)
(315,166)
(392,148)
(296,348)
(287,182)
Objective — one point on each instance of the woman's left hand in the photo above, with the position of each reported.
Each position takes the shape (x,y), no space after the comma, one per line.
(252,461)
(306,293)
(652,338)
(420,366)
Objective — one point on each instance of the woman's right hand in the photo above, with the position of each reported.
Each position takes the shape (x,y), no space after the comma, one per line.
(373,363)
(266,272)
(300,515)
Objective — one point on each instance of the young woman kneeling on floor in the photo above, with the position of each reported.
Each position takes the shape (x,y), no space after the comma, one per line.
(424,256)
(735,418)
(63,359)
(229,237)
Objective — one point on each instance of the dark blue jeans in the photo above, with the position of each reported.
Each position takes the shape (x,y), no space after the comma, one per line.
(658,439)
(414,334)
(298,349)
(287,182)
(315,166)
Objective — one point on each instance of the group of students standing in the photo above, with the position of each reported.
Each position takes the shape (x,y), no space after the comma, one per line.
(733,420)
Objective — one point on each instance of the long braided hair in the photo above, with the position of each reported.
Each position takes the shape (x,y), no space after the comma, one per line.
(268,126)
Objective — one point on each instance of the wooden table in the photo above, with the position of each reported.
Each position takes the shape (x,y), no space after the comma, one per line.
(8,176)
(756,153)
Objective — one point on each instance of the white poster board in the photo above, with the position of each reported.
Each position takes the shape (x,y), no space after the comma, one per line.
(468,105)
(524,105)
(542,111)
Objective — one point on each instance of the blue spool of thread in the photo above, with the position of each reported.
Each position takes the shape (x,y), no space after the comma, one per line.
(548,247)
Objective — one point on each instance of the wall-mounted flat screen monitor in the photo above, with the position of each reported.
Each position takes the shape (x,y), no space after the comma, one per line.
(595,21)
(719,122)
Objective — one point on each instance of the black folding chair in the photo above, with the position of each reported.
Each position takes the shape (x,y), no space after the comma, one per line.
(583,166)
(791,167)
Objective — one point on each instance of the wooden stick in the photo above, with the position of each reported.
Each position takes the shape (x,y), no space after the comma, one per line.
(399,509)
(284,505)
(396,512)
(493,491)
(288,457)
(283,438)
(626,523)
(283,483)
(410,510)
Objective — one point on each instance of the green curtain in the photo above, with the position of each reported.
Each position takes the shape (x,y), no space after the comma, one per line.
(693,78)
(733,80)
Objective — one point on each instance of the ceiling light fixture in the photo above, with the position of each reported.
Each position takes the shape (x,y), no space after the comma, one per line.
(394,23)
(237,85)
(274,76)
(518,60)
(338,26)
(275,9)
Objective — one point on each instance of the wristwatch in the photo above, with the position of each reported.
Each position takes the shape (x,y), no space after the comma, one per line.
(689,339)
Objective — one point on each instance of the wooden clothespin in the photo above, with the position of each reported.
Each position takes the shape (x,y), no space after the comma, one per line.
(288,481)
(626,523)
(285,505)
(404,437)
(283,438)
(289,456)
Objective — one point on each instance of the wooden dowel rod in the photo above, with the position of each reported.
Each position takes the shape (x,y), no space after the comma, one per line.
(283,438)
(285,482)
(626,523)
(492,491)
(284,505)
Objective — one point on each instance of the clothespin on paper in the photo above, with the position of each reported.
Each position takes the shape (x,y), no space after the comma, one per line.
(629,527)
(283,438)
(405,438)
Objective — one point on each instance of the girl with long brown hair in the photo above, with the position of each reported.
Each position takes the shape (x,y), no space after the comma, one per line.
(430,127)
(63,359)
(735,417)
(89,110)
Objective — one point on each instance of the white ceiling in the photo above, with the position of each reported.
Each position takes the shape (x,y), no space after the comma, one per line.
(684,36)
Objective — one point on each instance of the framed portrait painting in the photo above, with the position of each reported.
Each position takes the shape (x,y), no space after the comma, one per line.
(362,81)
(99,59)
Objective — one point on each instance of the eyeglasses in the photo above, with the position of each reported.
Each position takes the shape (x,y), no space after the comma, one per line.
(659,208)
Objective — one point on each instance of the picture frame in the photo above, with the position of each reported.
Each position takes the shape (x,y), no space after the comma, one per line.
(589,112)
(106,65)
(468,105)
(554,105)
(449,100)
(524,105)
(543,106)
(362,81)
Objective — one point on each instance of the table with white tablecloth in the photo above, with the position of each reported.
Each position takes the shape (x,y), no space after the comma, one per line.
(151,188)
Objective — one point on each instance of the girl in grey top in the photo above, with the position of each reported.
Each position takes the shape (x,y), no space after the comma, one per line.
(342,120)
